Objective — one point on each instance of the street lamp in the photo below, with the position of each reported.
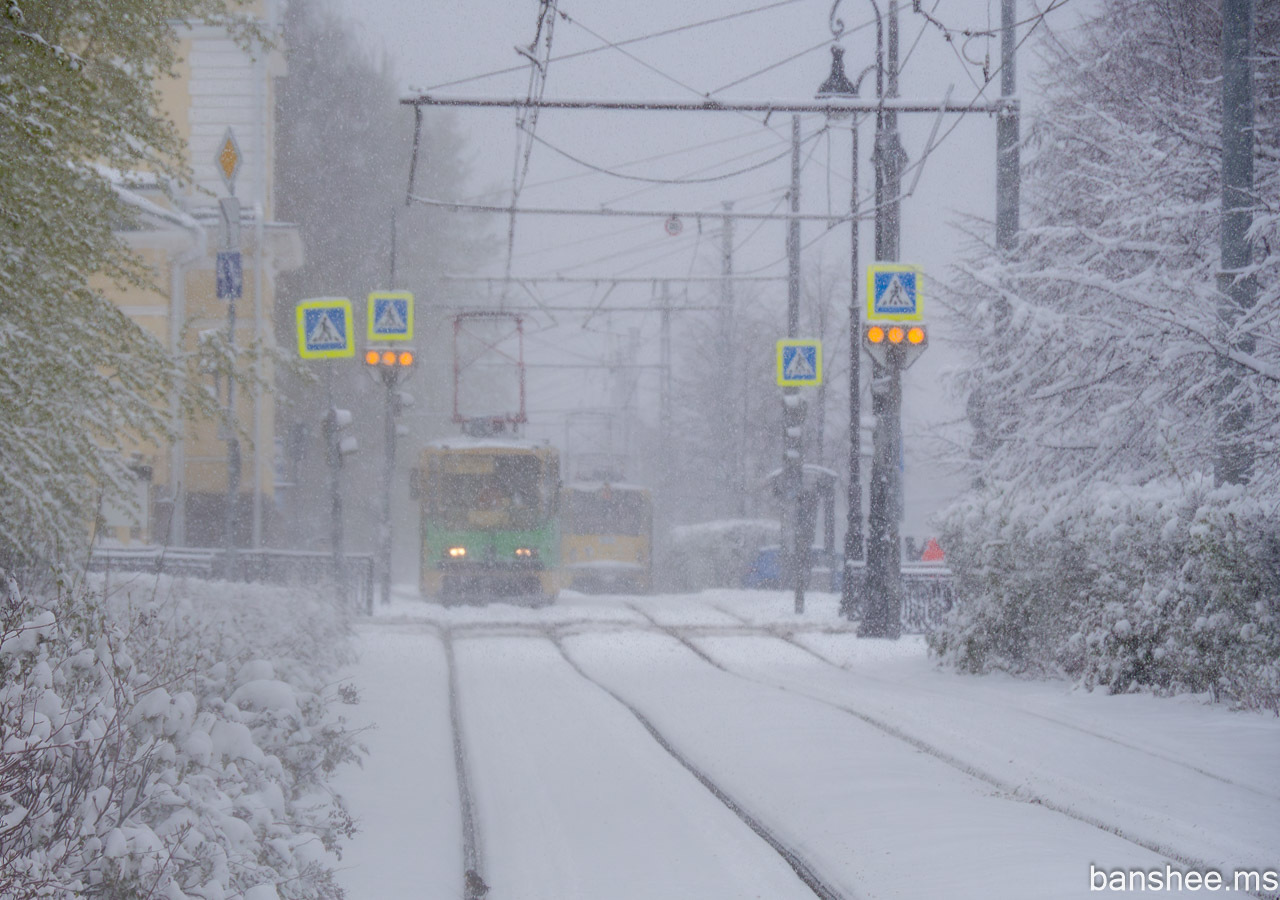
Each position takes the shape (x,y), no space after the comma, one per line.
(838,85)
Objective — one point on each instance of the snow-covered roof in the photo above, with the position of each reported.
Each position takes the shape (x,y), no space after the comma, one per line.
(593,486)
(462,442)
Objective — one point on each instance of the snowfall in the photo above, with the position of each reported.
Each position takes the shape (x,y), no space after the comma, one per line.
(715,745)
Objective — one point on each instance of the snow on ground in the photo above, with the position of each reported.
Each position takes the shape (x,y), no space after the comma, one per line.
(889,776)
(405,798)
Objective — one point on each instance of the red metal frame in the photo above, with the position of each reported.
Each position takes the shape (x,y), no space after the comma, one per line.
(458,367)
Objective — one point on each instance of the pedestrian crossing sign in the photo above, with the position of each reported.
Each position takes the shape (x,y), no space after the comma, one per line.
(390,316)
(894,293)
(324,329)
(799,363)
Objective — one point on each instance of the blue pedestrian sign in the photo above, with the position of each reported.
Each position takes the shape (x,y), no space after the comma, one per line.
(799,363)
(894,293)
(230,276)
(324,329)
(390,316)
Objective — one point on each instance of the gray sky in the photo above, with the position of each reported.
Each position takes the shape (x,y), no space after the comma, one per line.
(433,44)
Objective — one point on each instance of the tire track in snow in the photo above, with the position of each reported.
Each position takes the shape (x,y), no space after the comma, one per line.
(804,871)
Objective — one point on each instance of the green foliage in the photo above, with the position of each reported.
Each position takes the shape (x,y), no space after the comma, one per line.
(78,100)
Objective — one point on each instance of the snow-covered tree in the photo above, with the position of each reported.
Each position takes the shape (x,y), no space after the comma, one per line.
(79,101)
(1102,359)
(344,148)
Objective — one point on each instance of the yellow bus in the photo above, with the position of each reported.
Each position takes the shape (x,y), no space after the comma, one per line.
(606,537)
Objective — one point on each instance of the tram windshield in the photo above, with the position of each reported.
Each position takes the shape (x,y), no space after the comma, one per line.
(478,491)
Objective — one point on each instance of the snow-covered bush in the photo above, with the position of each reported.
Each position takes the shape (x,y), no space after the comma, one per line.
(170,739)
(1108,368)
(1168,586)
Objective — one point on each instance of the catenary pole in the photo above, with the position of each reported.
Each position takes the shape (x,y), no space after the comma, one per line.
(794,542)
(882,615)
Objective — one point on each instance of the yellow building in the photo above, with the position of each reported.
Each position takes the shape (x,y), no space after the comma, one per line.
(219,87)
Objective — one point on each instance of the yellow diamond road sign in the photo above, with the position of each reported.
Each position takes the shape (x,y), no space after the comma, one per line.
(228,159)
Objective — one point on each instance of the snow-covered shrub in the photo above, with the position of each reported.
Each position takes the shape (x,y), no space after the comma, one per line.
(1171,587)
(170,739)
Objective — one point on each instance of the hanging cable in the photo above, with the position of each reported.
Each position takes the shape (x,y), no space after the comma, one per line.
(609,46)
(615,174)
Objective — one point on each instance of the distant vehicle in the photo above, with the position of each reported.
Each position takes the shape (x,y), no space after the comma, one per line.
(489,520)
(607,537)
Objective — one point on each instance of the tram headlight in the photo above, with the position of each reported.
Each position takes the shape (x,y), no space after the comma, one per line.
(457,552)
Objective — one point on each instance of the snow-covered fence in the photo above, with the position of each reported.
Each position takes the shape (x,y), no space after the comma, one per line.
(287,567)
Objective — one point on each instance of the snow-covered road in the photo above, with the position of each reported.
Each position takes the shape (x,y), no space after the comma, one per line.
(719,746)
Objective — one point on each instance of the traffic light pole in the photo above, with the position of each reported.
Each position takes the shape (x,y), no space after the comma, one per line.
(333,455)
(390,380)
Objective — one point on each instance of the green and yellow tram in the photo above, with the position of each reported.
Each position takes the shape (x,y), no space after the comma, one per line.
(489,525)
(607,537)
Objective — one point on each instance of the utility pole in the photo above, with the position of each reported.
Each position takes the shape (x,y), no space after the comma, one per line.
(794,541)
(664,352)
(882,615)
(1008,175)
(1237,287)
(733,455)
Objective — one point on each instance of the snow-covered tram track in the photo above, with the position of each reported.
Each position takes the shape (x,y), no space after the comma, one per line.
(787,634)
(473,884)
(1007,788)
(798,864)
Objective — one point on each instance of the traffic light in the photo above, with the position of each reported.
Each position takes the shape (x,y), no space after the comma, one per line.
(388,358)
(887,340)
(338,445)
(391,364)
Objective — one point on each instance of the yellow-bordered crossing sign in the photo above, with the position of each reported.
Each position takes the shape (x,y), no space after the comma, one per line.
(799,363)
(894,293)
(390,316)
(324,329)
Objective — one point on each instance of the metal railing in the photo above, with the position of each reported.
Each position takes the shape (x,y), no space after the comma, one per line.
(928,593)
(284,567)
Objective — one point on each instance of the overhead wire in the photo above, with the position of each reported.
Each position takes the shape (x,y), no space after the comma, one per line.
(635,162)
(637,192)
(982,89)
(628,177)
(611,45)
(537,85)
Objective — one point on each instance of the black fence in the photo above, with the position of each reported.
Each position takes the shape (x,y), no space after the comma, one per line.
(285,567)
(928,593)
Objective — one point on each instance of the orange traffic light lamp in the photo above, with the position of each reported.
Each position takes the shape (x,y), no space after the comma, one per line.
(885,341)
(389,358)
